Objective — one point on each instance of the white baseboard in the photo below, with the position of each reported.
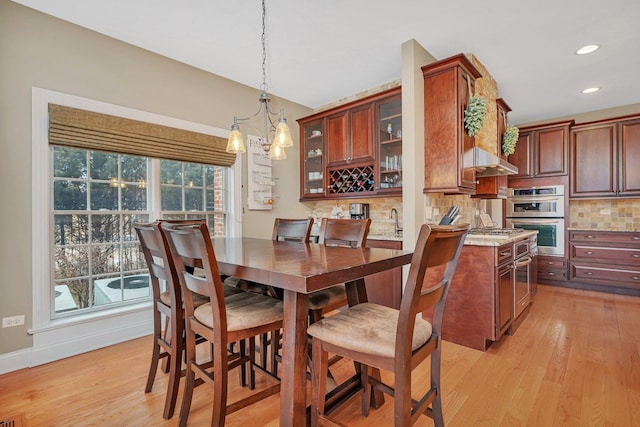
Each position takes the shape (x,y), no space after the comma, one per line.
(58,343)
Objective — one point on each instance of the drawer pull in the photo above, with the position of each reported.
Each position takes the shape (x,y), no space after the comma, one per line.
(635,256)
(635,238)
(589,252)
(551,274)
(550,262)
(589,236)
(588,273)
(505,253)
(635,277)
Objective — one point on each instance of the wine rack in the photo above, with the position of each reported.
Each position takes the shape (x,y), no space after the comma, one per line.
(352,180)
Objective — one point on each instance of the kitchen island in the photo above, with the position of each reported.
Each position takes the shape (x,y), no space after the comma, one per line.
(490,292)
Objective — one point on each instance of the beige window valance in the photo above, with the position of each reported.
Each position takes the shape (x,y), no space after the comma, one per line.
(72,127)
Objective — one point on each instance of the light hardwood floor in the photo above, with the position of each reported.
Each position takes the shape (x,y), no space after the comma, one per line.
(575,361)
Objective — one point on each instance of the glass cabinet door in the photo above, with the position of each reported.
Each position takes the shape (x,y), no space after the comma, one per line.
(313,154)
(389,118)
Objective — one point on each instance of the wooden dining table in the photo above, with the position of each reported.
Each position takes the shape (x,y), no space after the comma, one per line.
(300,269)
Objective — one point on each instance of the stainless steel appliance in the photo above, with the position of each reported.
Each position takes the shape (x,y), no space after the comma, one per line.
(541,209)
(359,210)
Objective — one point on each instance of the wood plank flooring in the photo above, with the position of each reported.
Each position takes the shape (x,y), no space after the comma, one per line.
(575,361)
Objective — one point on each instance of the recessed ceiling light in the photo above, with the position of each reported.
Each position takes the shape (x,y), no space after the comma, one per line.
(590,90)
(587,49)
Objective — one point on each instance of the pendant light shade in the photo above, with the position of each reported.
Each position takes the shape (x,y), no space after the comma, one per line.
(236,140)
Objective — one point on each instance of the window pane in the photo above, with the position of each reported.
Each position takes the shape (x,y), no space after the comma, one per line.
(105,228)
(63,300)
(134,168)
(127,226)
(108,290)
(171,172)
(69,162)
(208,176)
(134,198)
(193,199)
(104,165)
(193,175)
(71,261)
(69,195)
(70,229)
(136,286)
(133,258)
(79,292)
(104,196)
(210,205)
(105,259)
(171,198)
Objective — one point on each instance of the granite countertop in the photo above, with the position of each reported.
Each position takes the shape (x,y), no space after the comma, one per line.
(470,240)
(632,230)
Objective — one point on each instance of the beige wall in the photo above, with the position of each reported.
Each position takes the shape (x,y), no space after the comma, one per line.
(42,51)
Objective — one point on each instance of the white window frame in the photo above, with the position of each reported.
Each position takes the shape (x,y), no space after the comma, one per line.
(54,339)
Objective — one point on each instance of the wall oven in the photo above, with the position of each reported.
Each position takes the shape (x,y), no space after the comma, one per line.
(540,209)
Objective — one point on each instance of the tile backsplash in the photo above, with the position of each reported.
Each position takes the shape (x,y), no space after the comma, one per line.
(605,214)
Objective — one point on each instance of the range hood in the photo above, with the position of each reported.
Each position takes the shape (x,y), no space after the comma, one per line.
(488,164)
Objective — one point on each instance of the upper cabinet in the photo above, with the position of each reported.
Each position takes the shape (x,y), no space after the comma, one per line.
(449,150)
(353,150)
(349,136)
(604,159)
(542,151)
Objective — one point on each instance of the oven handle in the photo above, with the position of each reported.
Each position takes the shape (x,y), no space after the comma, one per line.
(536,199)
(523,262)
(534,222)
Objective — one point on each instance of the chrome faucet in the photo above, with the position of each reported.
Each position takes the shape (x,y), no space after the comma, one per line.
(398,229)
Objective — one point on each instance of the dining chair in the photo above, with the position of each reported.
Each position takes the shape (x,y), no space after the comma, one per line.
(167,344)
(381,337)
(336,232)
(222,321)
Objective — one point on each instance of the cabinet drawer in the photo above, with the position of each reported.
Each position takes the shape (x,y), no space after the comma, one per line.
(626,256)
(504,254)
(551,262)
(631,238)
(607,276)
(552,274)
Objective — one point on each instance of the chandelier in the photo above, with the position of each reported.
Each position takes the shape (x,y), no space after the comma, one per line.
(282,136)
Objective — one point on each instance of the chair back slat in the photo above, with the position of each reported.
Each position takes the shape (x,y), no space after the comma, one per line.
(297,230)
(344,232)
(438,248)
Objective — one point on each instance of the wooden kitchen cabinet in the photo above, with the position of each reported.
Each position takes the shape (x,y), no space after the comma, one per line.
(552,269)
(542,151)
(604,159)
(608,259)
(351,145)
(479,307)
(385,288)
(449,150)
(349,136)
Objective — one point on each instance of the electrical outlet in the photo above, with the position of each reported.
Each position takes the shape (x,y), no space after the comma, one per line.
(8,322)
(428,213)
(605,211)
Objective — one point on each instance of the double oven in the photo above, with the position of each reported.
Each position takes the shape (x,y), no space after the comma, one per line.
(541,209)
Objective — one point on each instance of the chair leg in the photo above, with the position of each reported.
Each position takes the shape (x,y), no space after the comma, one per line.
(243,367)
(436,405)
(187,396)
(366,396)
(167,338)
(155,353)
(175,368)
(220,375)
(318,381)
(402,398)
(264,343)
(252,361)
(273,351)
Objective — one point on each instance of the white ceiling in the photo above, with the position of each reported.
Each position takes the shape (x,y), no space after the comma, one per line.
(321,51)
